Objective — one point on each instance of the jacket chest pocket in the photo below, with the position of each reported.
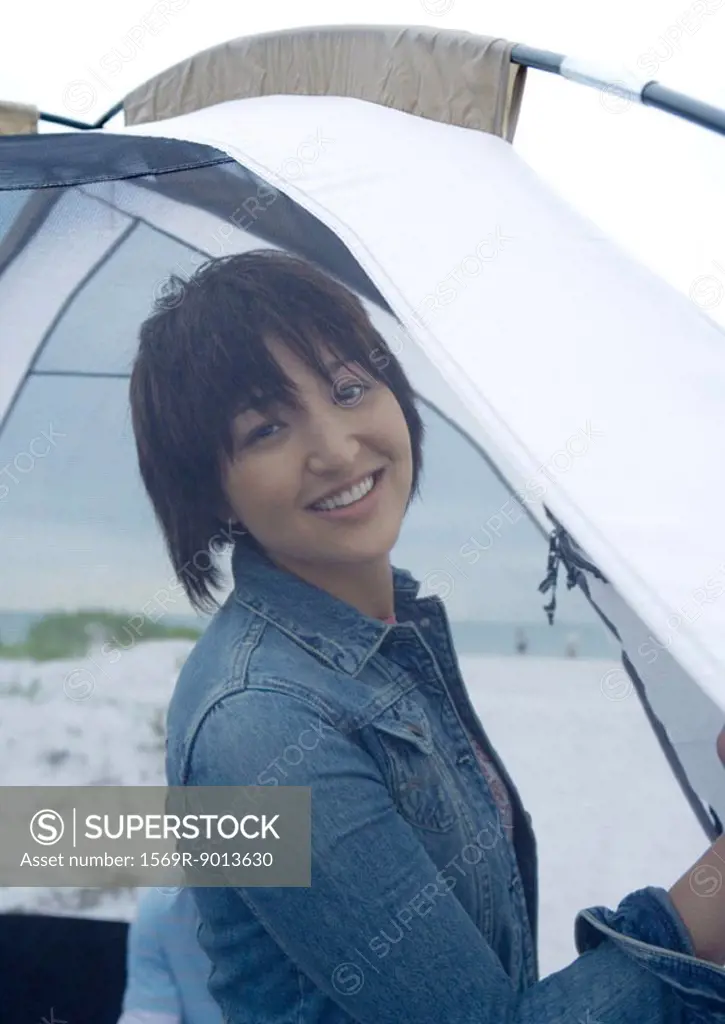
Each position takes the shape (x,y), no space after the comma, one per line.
(417,776)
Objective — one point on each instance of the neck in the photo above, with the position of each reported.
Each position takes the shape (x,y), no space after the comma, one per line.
(367,586)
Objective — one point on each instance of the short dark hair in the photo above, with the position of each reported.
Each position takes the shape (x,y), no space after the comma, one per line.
(203,355)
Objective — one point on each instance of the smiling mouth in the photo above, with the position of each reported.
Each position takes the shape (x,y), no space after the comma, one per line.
(348,496)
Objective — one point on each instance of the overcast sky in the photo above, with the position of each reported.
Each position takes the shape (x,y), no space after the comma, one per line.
(654,183)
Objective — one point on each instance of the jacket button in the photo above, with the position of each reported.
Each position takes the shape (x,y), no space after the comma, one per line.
(425,622)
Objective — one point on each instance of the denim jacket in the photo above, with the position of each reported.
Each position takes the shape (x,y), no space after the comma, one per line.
(422,907)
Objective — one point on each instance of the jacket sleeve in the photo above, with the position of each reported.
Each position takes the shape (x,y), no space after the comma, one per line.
(371,877)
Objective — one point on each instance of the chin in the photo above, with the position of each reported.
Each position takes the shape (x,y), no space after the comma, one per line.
(375,545)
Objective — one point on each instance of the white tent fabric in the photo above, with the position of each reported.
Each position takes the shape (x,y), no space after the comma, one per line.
(593,386)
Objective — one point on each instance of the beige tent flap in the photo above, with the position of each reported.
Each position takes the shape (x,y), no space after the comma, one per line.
(18,119)
(453,77)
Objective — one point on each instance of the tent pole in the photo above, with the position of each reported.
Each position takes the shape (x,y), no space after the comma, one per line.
(659,96)
(69,122)
(620,82)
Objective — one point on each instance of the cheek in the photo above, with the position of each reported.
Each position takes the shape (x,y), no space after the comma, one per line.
(391,425)
(257,489)
(404,446)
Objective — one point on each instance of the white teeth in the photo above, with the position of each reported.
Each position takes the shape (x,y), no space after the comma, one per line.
(347,497)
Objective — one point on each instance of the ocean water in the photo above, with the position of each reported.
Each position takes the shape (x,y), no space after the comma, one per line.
(583,640)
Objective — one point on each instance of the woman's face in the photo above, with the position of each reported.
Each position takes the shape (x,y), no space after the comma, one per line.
(347,445)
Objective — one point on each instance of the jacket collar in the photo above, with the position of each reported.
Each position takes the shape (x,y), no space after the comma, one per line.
(314,619)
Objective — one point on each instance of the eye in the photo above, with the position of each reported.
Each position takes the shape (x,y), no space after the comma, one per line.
(349,391)
(262,432)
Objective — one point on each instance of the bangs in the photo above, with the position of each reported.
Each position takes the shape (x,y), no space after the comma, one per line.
(250,377)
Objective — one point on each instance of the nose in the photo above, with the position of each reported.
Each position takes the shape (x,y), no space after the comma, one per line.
(333,446)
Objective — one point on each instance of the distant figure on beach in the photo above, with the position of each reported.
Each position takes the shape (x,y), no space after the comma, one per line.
(572,645)
(522,644)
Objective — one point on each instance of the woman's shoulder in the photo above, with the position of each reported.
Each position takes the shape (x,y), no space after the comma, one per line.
(241,651)
(247,678)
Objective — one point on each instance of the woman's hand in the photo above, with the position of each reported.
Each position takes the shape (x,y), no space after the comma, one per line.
(699,896)
(721,746)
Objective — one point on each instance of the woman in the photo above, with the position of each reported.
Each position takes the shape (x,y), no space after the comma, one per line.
(267,409)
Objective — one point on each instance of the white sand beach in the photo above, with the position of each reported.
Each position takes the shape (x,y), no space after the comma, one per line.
(608,813)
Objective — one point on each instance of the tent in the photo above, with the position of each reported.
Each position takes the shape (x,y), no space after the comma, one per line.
(585,391)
